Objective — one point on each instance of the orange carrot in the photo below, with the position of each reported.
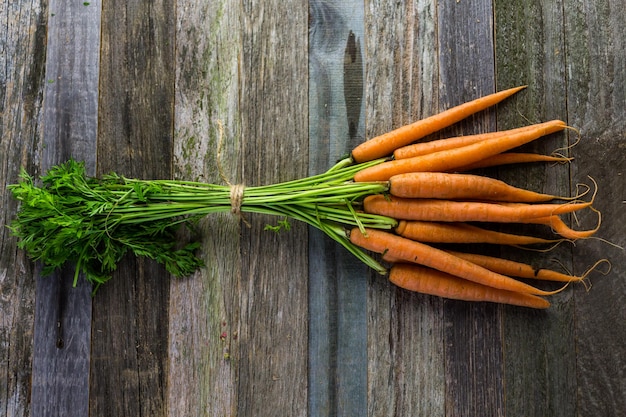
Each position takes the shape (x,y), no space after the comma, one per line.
(433,282)
(460,186)
(453,158)
(408,250)
(516,269)
(385,144)
(509,158)
(463,211)
(559,227)
(425,148)
(461,233)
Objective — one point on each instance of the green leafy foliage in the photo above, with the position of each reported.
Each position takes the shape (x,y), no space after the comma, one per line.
(71,218)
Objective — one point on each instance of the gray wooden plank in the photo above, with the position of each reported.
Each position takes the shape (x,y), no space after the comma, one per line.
(242,73)
(473,350)
(204,316)
(539,363)
(596,71)
(337,284)
(405,330)
(22,74)
(273,305)
(60,380)
(135,129)
(61,357)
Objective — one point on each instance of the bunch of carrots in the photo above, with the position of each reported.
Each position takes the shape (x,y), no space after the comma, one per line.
(433,204)
(392,196)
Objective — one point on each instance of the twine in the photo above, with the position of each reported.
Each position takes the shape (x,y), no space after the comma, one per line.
(236,198)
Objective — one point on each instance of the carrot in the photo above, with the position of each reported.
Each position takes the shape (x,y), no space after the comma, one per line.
(460,186)
(463,211)
(407,250)
(518,269)
(451,159)
(385,144)
(509,158)
(429,281)
(559,227)
(461,233)
(425,148)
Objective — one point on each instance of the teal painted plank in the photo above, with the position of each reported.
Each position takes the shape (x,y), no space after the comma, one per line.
(337,281)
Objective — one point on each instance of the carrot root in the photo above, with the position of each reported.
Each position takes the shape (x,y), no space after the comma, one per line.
(510,158)
(517,269)
(407,250)
(383,145)
(429,281)
(464,211)
(451,159)
(448,186)
(435,232)
(559,227)
(424,148)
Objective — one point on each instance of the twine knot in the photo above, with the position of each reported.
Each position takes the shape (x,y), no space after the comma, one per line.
(236,198)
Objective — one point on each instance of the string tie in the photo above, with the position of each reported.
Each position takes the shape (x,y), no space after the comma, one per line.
(236,198)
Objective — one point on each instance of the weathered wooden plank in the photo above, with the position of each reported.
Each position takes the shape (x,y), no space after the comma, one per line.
(22,74)
(539,361)
(596,94)
(337,281)
(63,314)
(244,72)
(473,350)
(129,348)
(405,331)
(273,304)
(61,346)
(204,309)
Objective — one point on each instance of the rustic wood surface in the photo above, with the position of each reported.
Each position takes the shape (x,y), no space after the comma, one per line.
(63,315)
(256,92)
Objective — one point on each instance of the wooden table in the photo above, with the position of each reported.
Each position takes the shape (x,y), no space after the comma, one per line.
(289,324)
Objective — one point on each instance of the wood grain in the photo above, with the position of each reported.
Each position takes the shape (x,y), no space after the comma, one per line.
(204,309)
(405,331)
(521,58)
(596,95)
(62,331)
(129,343)
(273,304)
(241,118)
(22,74)
(473,350)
